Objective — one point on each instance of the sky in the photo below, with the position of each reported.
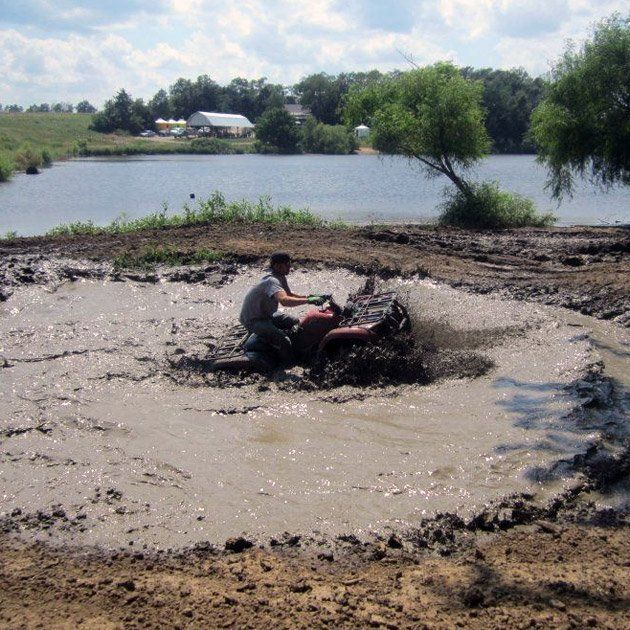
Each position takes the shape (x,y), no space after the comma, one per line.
(61,50)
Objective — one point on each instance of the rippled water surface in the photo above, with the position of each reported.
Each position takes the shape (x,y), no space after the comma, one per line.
(202,463)
(356,188)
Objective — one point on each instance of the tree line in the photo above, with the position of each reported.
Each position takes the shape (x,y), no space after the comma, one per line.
(509,97)
(83,107)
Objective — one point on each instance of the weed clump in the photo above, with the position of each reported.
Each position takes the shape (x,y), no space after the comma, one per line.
(153,255)
(488,207)
(6,168)
(28,160)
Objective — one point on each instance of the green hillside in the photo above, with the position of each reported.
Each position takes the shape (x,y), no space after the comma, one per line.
(36,139)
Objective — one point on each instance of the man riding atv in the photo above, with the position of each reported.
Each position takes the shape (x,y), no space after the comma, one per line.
(259,311)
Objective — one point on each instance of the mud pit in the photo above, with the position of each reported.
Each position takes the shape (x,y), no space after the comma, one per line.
(103,443)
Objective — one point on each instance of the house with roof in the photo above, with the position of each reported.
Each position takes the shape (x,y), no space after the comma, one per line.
(299,112)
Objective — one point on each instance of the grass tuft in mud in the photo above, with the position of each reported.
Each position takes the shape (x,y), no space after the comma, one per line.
(152,256)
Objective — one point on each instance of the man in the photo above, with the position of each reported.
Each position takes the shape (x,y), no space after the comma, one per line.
(259,312)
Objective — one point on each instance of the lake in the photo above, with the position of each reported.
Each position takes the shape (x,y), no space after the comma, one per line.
(354,188)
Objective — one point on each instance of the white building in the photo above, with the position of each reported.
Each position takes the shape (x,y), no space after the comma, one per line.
(212,123)
(362,131)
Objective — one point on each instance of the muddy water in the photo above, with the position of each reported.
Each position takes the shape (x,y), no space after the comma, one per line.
(92,419)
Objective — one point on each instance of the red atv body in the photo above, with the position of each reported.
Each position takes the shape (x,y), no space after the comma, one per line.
(321,332)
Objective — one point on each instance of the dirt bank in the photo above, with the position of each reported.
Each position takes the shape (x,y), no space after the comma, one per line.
(513,564)
(542,574)
(585,269)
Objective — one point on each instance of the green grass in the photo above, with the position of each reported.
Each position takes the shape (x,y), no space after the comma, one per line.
(215,209)
(154,255)
(57,136)
(489,208)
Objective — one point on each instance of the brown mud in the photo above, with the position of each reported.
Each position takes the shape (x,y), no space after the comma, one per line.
(515,563)
(583,268)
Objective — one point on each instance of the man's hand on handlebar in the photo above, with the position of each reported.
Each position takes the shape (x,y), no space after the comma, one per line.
(317,300)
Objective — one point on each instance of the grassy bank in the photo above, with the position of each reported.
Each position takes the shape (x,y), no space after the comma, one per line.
(39,138)
(215,209)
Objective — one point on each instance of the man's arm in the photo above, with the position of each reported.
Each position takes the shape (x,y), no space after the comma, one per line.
(290,299)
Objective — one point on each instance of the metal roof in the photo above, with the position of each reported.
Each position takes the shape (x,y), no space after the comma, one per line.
(212,119)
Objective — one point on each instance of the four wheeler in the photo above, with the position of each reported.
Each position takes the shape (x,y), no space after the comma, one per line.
(326,332)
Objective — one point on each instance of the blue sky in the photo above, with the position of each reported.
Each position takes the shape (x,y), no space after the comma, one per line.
(61,50)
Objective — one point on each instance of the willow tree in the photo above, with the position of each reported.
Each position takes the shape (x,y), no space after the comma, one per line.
(582,127)
(432,115)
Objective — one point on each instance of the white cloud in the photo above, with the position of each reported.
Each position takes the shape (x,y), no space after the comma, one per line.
(145,45)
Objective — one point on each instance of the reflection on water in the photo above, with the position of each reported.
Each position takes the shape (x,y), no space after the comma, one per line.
(355,188)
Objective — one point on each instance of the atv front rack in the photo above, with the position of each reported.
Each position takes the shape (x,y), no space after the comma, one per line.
(373,310)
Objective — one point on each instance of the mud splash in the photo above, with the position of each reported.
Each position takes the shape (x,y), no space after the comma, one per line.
(101,445)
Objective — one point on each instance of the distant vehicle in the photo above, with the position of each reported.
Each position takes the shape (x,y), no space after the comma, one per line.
(177,132)
(147,133)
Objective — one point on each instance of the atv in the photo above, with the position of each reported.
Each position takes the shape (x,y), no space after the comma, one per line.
(326,333)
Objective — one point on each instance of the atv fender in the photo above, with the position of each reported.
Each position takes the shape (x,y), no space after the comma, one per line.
(347,336)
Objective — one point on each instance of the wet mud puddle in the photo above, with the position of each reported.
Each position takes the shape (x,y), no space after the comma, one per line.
(100,444)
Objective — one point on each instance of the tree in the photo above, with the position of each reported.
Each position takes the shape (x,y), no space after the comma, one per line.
(159,105)
(583,125)
(509,97)
(85,107)
(62,108)
(207,95)
(277,129)
(182,98)
(14,109)
(121,113)
(430,114)
(43,108)
(322,94)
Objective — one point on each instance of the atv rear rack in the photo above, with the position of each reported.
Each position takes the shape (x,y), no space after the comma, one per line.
(231,344)
(370,310)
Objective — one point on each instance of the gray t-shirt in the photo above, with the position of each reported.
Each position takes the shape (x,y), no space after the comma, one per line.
(259,303)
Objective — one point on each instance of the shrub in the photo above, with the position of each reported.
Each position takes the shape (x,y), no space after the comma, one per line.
(211,146)
(488,207)
(6,168)
(28,160)
(46,157)
(329,139)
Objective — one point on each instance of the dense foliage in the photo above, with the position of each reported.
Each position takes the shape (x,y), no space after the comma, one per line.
(122,113)
(329,139)
(583,125)
(509,97)
(277,131)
